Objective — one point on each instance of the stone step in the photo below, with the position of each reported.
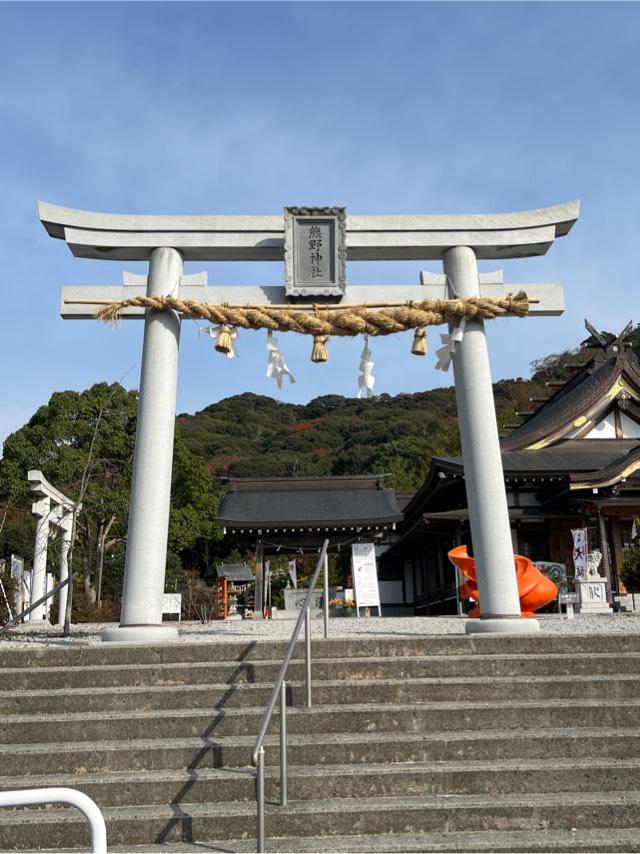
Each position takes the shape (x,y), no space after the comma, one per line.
(540,841)
(454,689)
(316,749)
(416,667)
(210,785)
(344,718)
(62,828)
(61,652)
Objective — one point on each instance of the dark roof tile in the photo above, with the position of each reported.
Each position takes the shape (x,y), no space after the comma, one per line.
(308,507)
(238,573)
(570,455)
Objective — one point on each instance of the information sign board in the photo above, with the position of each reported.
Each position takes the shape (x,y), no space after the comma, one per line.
(365,576)
(172,604)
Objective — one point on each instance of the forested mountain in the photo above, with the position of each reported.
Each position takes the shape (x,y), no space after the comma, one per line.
(249,435)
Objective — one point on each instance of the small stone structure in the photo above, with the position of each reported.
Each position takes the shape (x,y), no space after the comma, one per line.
(51,508)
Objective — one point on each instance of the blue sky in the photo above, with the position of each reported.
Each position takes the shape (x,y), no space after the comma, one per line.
(247,107)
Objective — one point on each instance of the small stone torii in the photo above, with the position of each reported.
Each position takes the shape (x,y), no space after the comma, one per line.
(166,242)
(50,508)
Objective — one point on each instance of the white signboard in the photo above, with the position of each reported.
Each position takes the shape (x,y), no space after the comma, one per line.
(17,567)
(172,604)
(365,576)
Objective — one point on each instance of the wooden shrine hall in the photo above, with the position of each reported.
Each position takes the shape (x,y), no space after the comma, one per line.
(302,512)
(297,514)
(573,463)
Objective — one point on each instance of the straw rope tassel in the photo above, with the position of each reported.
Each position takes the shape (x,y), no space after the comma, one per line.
(319,352)
(224,342)
(419,346)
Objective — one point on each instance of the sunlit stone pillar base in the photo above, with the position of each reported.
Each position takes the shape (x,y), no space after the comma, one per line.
(504,625)
(141,634)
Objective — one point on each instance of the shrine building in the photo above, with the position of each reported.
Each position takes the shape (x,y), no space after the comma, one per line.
(304,511)
(573,463)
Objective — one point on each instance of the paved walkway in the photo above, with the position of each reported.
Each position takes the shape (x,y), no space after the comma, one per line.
(90,633)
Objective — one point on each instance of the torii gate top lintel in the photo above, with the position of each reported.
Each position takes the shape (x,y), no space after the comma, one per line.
(43,489)
(128,237)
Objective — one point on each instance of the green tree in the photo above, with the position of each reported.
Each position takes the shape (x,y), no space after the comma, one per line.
(86,435)
(89,436)
(194,507)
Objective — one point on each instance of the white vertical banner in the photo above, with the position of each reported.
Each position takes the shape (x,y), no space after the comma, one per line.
(258,603)
(25,591)
(267,587)
(365,577)
(293,573)
(580,553)
(49,585)
(17,569)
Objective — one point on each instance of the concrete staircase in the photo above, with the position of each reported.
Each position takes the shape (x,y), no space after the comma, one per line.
(436,744)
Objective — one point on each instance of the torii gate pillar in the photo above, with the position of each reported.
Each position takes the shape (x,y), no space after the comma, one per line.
(141,617)
(484,478)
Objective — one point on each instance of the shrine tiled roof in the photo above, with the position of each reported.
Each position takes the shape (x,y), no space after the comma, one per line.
(308,502)
(299,507)
(570,456)
(237,573)
(581,393)
(613,372)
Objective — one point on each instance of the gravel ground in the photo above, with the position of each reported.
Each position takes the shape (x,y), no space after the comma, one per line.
(242,630)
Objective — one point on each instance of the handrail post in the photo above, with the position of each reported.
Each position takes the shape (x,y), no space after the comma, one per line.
(279,690)
(326,596)
(260,801)
(307,653)
(283,744)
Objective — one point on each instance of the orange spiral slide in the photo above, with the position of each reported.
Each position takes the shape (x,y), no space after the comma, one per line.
(534,589)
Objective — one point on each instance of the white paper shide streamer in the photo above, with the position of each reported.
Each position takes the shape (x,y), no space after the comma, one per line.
(450,342)
(276,367)
(214,331)
(366,380)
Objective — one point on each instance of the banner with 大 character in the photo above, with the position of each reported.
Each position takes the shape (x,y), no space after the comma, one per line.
(580,553)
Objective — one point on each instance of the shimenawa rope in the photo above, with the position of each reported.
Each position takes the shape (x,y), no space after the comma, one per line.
(323,321)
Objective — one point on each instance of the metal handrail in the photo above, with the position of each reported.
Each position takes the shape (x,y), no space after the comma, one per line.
(63,795)
(31,607)
(279,692)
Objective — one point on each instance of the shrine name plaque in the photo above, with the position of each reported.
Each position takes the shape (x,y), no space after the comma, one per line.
(315,251)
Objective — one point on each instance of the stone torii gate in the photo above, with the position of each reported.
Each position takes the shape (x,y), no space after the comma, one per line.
(51,508)
(166,242)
